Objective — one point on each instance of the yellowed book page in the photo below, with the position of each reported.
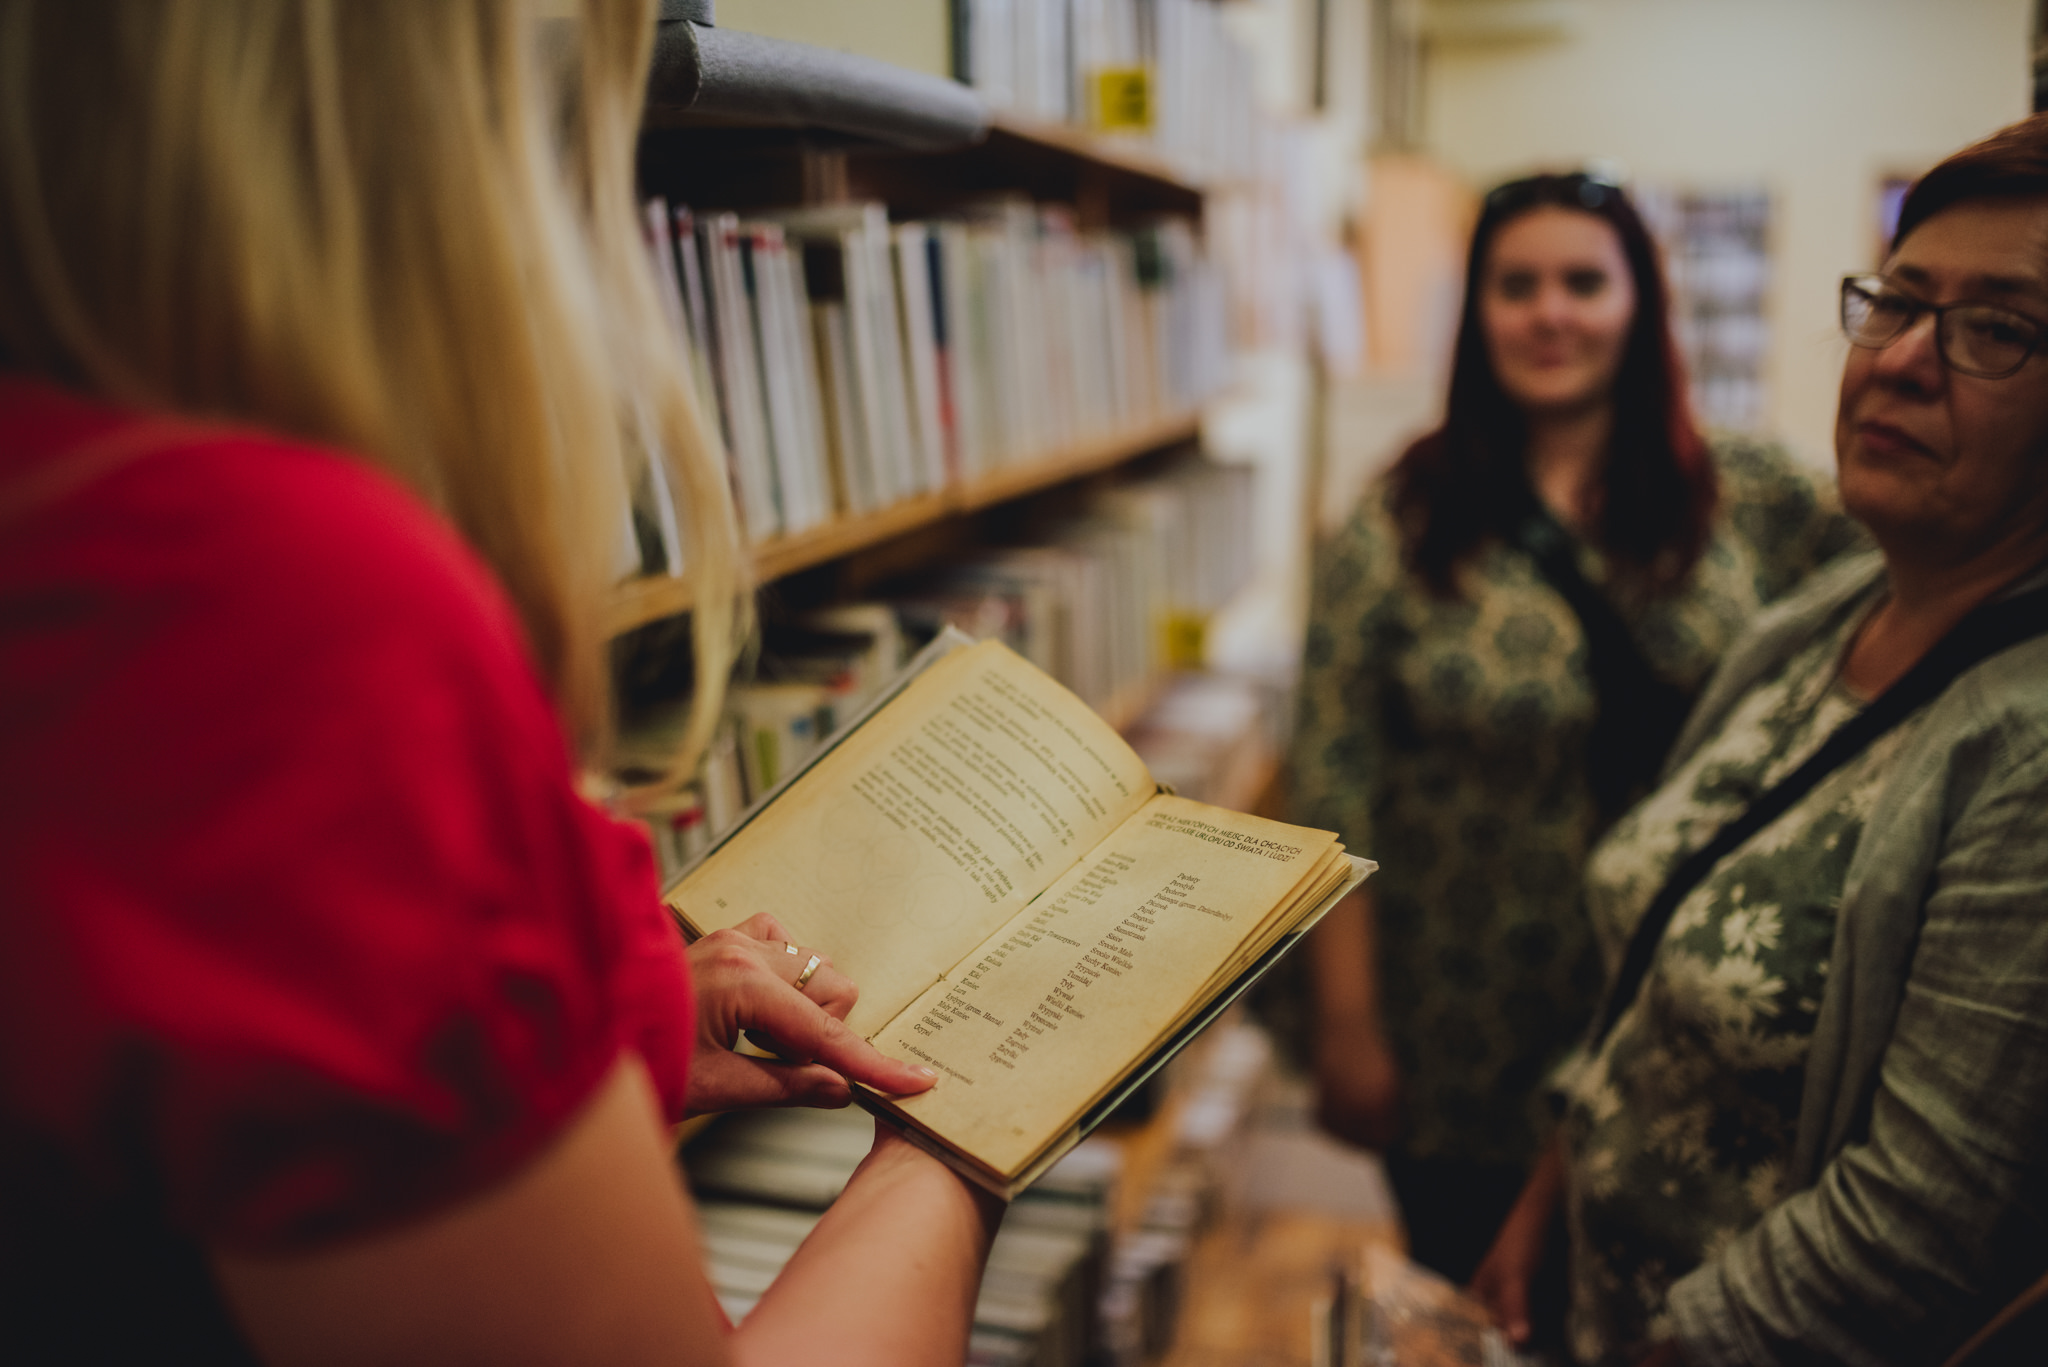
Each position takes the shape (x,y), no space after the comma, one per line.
(1085,982)
(1317,883)
(927,828)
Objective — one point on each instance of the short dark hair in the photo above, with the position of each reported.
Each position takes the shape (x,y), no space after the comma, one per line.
(2010,163)
(1465,482)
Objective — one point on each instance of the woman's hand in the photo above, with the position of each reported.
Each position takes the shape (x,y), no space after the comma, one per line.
(1358,1083)
(1502,1281)
(1358,1086)
(746,982)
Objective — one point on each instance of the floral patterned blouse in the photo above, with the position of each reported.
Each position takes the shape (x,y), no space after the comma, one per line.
(1680,1127)
(1446,738)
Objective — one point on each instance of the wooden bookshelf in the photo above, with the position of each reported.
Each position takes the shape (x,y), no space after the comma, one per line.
(640,601)
(843,536)
(1126,155)
(1083,458)
(1107,180)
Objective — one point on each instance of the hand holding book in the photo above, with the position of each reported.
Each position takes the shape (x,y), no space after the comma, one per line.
(742,987)
(1024,910)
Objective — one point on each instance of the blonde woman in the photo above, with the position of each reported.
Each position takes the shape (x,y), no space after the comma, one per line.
(334,1024)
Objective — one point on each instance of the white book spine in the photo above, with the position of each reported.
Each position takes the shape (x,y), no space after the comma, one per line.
(842,389)
(914,301)
(965,365)
(869,354)
(697,316)
(885,336)
(1023,300)
(740,379)
(786,429)
(803,357)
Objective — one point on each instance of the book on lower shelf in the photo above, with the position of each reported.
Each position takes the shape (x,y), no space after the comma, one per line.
(1026,911)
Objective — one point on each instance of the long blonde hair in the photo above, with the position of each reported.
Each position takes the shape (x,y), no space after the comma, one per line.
(403,227)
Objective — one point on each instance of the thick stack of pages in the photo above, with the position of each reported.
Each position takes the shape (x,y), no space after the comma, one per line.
(1024,910)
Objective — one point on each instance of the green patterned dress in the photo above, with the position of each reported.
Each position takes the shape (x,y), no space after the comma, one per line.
(1446,738)
(1679,1129)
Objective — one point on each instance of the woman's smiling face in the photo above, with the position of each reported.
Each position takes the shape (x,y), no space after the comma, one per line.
(1938,464)
(1556,303)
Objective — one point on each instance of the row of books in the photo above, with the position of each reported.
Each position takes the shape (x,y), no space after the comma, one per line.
(1062,1288)
(1107,601)
(1169,71)
(853,363)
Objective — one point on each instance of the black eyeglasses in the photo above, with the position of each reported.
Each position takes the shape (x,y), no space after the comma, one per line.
(1575,190)
(1972,339)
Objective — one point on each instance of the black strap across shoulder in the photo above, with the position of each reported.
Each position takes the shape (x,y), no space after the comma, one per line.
(1639,711)
(1987,630)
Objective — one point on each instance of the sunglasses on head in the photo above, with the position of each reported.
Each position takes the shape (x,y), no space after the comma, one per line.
(1574,190)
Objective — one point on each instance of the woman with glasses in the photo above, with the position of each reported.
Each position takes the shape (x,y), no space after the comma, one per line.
(1503,641)
(1810,1123)
(336,1025)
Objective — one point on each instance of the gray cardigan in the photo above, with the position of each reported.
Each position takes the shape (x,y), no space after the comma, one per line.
(1919,1183)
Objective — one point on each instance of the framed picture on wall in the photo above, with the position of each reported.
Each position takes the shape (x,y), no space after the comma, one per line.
(1889,199)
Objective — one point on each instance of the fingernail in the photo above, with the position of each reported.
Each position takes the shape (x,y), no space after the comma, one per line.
(928,1074)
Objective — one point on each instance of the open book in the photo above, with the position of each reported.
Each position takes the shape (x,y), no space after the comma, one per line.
(1023,908)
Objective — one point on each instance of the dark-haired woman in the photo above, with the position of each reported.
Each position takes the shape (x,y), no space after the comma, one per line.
(1811,1124)
(1502,643)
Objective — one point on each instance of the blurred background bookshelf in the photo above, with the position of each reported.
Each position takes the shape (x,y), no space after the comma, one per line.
(1190,271)
(979,341)
(990,336)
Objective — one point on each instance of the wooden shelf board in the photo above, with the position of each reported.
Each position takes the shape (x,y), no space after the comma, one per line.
(637,602)
(1129,156)
(1084,458)
(787,554)
(640,601)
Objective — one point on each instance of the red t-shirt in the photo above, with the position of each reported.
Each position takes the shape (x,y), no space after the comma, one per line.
(303,926)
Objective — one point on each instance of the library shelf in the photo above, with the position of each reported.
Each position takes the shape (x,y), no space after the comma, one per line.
(787,554)
(1082,458)
(648,598)
(1124,155)
(1106,179)
(637,602)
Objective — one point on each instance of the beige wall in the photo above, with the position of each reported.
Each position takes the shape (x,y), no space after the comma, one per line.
(912,33)
(1816,99)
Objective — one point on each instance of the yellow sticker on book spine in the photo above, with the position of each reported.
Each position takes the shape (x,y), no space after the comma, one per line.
(1123,99)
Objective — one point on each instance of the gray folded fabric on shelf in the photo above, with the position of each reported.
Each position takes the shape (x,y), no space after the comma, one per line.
(729,77)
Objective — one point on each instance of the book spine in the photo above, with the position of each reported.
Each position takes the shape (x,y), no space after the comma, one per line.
(740,377)
(914,300)
(795,464)
(885,339)
(801,348)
